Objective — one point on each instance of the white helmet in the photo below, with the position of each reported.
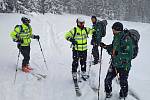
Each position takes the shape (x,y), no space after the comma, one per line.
(80,20)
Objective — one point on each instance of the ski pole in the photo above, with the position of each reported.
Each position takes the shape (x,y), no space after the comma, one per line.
(43,54)
(17,66)
(119,82)
(71,45)
(79,73)
(100,72)
(79,69)
(90,65)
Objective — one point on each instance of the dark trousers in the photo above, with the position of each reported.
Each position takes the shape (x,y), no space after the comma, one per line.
(79,56)
(95,53)
(25,51)
(123,78)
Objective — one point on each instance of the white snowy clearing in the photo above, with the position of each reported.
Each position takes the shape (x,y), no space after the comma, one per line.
(59,85)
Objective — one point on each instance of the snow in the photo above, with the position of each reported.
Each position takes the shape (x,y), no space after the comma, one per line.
(58,85)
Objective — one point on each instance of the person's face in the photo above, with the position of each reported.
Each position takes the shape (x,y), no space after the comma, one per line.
(27,21)
(115,32)
(81,24)
(93,20)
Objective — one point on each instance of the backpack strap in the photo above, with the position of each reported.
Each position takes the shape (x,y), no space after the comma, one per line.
(126,34)
(75,31)
(29,27)
(20,28)
(86,32)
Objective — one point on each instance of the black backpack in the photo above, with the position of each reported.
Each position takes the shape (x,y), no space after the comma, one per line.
(135,36)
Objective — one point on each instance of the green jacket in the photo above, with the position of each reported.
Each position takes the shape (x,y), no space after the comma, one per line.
(22,32)
(123,51)
(80,37)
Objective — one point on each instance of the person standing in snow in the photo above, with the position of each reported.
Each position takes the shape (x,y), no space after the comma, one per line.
(78,37)
(22,35)
(121,55)
(100,27)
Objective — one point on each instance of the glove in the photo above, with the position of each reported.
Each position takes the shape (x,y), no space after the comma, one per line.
(36,37)
(74,42)
(19,40)
(19,46)
(103,45)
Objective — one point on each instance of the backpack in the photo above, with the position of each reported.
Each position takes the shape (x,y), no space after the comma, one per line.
(20,27)
(75,31)
(135,36)
(102,27)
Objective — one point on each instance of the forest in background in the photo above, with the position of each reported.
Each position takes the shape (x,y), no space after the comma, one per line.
(128,10)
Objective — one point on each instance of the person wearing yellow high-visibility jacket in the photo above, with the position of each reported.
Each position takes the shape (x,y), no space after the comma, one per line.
(78,37)
(22,35)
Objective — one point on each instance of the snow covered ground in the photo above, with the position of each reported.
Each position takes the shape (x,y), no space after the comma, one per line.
(58,85)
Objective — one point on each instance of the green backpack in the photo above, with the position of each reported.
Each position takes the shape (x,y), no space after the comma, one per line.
(101,25)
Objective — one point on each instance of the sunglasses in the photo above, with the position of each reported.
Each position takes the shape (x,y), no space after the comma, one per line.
(27,21)
(81,23)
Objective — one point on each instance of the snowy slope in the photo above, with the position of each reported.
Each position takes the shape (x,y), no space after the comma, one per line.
(58,85)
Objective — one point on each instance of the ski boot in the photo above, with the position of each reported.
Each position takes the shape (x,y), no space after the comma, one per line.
(25,69)
(29,67)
